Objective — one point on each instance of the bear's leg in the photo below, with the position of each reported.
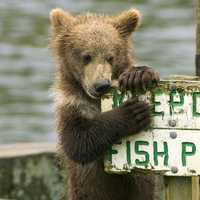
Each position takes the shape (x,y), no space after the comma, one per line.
(142,186)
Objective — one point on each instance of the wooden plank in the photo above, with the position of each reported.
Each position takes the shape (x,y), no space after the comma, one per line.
(195,188)
(198,39)
(172,146)
(178,188)
(181,188)
(26,149)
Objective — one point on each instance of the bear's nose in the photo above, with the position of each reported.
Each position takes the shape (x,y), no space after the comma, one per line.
(102,86)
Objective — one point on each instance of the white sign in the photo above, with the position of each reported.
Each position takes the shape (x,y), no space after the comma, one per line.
(172,146)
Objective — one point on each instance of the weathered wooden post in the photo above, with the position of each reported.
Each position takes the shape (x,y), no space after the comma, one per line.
(195,180)
(198,39)
(172,146)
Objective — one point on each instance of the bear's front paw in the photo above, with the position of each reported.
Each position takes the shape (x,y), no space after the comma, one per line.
(139,79)
(136,115)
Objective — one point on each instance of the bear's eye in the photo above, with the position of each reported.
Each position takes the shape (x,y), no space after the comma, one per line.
(87,59)
(110,59)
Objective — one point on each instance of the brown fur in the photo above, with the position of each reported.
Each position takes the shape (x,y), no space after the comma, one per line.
(87,49)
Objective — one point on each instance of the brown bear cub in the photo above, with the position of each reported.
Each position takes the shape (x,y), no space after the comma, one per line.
(91,51)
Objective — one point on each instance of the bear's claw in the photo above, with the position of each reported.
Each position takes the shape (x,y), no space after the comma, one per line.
(139,79)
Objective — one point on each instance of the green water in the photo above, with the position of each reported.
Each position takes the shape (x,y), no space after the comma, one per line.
(166,41)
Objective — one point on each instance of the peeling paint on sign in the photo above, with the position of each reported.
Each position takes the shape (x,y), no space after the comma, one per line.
(172,145)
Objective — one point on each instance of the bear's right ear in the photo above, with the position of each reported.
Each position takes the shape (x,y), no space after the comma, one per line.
(61,19)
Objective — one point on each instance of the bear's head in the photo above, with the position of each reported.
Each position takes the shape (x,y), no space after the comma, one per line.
(92,50)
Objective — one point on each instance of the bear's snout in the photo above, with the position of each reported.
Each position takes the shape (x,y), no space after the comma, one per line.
(102,86)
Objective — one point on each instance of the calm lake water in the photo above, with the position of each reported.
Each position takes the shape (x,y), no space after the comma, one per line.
(166,41)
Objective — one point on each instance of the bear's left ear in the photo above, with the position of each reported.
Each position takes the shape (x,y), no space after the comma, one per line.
(127,22)
(61,19)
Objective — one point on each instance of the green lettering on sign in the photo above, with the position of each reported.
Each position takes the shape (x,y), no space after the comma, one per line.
(128,152)
(174,103)
(156,103)
(186,153)
(138,144)
(110,153)
(163,153)
(195,95)
(118,98)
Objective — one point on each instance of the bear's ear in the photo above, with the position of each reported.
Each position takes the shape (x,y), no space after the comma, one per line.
(61,19)
(127,22)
